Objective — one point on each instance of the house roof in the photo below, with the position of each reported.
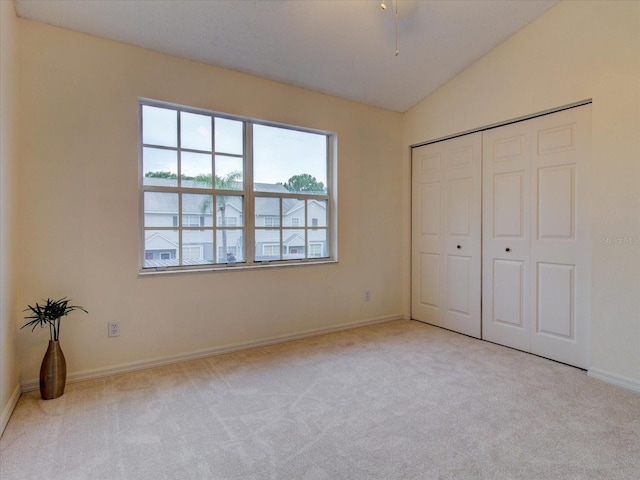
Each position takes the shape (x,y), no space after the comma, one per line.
(198,204)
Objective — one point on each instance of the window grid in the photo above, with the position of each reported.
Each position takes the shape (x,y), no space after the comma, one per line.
(248,230)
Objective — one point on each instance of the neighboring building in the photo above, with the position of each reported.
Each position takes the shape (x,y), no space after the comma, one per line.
(162,243)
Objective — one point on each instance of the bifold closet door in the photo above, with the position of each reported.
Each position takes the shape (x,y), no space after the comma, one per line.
(536,246)
(446,234)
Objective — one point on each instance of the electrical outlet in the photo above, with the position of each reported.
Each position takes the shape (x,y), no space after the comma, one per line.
(114,329)
(367,295)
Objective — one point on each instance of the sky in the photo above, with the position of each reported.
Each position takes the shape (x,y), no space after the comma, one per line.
(279,153)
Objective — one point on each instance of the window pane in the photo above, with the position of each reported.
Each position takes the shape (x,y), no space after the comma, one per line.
(196,170)
(267,245)
(229,172)
(292,212)
(230,245)
(317,213)
(297,160)
(159,126)
(160,167)
(229,136)
(195,131)
(197,210)
(160,208)
(160,248)
(267,210)
(293,243)
(229,210)
(197,247)
(317,240)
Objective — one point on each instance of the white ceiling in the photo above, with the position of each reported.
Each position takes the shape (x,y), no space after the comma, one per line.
(340,47)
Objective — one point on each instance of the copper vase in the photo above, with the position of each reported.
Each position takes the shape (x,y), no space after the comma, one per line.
(53,372)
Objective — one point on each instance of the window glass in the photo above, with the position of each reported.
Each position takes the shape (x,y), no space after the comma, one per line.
(294,244)
(193,170)
(291,158)
(160,167)
(160,208)
(229,136)
(159,126)
(161,248)
(317,213)
(195,131)
(197,247)
(229,210)
(197,210)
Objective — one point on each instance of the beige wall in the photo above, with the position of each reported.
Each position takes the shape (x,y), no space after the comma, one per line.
(77,205)
(577,50)
(9,387)
(78,208)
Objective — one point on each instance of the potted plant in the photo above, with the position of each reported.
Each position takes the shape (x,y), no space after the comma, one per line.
(53,371)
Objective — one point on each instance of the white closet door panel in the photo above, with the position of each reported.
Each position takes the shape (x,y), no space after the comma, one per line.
(446,226)
(506,236)
(462,242)
(536,251)
(560,248)
(555,301)
(458,274)
(426,272)
(430,287)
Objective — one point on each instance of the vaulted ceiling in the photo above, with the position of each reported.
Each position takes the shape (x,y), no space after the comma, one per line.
(340,47)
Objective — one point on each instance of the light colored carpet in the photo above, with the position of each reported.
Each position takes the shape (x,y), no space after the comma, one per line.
(401,400)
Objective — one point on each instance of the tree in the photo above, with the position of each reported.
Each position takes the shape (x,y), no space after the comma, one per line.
(304,183)
(200,178)
(170,175)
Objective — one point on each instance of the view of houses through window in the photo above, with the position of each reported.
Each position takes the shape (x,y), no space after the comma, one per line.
(221,190)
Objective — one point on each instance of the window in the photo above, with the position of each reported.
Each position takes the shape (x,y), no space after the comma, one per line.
(192,252)
(221,191)
(271,221)
(315,249)
(228,221)
(271,250)
(194,220)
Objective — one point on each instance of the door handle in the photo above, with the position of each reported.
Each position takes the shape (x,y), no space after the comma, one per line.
(458,247)
(507,249)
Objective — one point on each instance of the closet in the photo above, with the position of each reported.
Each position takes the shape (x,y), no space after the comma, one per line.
(500,235)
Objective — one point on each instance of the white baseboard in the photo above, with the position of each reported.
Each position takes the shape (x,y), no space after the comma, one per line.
(34,384)
(9,407)
(614,379)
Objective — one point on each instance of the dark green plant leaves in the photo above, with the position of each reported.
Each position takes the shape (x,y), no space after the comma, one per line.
(50,314)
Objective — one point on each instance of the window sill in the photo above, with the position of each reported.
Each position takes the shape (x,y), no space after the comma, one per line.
(235,267)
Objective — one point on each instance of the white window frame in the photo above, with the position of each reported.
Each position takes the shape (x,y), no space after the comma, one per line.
(248,226)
